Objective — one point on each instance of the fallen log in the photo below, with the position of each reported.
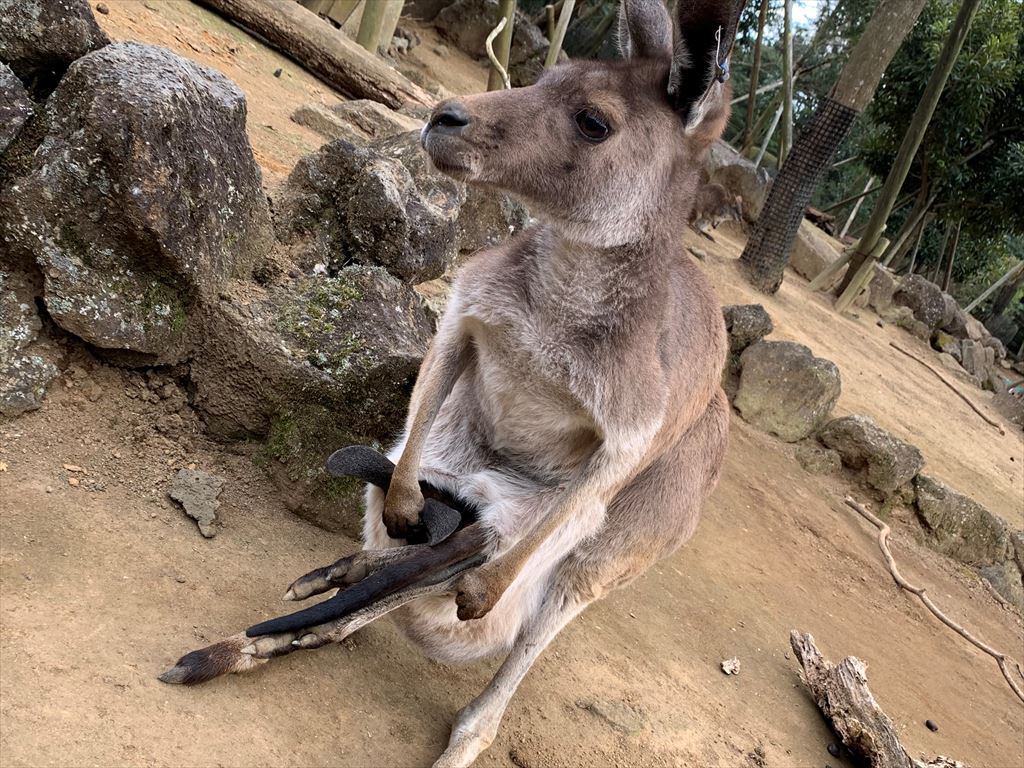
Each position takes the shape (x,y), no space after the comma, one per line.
(841,693)
(323,50)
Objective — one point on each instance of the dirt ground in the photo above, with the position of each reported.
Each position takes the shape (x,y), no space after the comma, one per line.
(105,582)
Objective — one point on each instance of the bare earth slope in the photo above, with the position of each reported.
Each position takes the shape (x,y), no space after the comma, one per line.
(103,584)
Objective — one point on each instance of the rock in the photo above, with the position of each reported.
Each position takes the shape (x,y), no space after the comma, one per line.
(975,330)
(384,204)
(731,666)
(916,327)
(197,492)
(812,251)
(310,367)
(959,526)
(949,313)
(923,298)
(816,459)
(972,358)
(15,107)
(39,39)
(882,288)
(1005,578)
(943,342)
(957,325)
(467,23)
(361,120)
(997,347)
(890,463)
(746,324)
(617,714)
(1010,407)
(949,361)
(786,390)
(26,366)
(175,208)
(725,166)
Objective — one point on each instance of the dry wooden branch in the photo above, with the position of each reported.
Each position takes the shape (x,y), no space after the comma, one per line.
(489,45)
(1002,659)
(841,693)
(942,378)
(325,51)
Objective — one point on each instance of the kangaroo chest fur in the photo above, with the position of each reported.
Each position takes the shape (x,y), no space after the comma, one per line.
(545,319)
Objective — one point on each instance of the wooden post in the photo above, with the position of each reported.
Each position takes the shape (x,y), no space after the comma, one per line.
(853,213)
(370,25)
(768,136)
(506,11)
(340,10)
(389,24)
(862,278)
(755,73)
(786,138)
(1010,273)
(556,42)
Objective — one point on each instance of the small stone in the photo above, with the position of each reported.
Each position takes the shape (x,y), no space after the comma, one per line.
(74,468)
(197,492)
(731,666)
(180,579)
(277,72)
(102,8)
(73,482)
(931,725)
(699,254)
(833,749)
(3,466)
(49,489)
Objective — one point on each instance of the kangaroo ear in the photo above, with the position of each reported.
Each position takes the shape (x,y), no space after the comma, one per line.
(704,35)
(645,30)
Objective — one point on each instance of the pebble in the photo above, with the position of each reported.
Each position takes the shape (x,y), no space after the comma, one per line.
(277,72)
(49,489)
(73,482)
(931,725)
(833,749)
(102,8)
(180,579)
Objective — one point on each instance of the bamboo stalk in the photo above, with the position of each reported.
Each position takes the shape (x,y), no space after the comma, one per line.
(368,35)
(560,29)
(497,78)
(389,24)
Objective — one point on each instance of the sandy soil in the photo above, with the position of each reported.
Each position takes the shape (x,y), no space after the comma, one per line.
(104,583)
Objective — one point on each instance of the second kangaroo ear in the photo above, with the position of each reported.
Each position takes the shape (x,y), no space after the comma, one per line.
(644,30)
(705,32)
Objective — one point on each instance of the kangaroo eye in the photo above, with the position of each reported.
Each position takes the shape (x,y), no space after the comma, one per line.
(593,126)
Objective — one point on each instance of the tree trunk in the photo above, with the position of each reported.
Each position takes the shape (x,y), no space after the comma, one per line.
(323,50)
(755,73)
(503,43)
(767,251)
(786,137)
(915,134)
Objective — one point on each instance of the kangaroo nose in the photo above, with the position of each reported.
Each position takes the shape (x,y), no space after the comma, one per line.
(450,117)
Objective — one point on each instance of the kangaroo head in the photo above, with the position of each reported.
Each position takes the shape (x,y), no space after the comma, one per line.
(602,149)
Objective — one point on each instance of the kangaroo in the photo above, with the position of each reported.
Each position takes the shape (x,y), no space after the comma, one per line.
(712,205)
(571,398)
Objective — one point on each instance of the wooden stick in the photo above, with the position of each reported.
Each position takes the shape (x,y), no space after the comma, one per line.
(942,378)
(489,45)
(883,543)
(842,694)
(323,50)
(556,41)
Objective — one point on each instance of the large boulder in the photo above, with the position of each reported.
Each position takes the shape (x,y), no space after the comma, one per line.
(746,324)
(974,359)
(312,366)
(467,23)
(961,527)
(786,390)
(39,39)
(1006,579)
(383,204)
(142,199)
(923,298)
(26,366)
(812,252)
(889,463)
(15,107)
(883,286)
(957,324)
